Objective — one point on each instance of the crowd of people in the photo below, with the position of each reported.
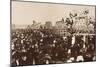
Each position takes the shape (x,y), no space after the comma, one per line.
(35,47)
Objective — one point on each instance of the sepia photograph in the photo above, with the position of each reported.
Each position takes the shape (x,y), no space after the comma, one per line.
(45,33)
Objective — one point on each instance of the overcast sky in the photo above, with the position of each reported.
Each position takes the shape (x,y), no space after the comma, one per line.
(25,12)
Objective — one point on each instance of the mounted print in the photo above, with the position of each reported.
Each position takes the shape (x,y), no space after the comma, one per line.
(52,33)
